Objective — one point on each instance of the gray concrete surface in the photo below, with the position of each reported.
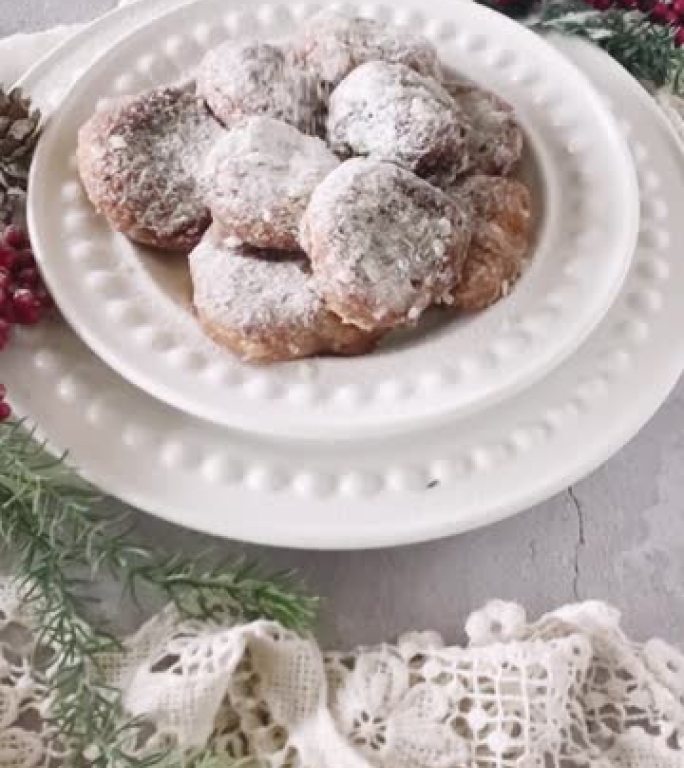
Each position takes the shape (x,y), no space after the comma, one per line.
(616,536)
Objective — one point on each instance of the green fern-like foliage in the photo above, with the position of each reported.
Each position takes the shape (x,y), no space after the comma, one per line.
(645,49)
(61,541)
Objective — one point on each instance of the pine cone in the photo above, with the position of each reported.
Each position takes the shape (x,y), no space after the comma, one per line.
(19,130)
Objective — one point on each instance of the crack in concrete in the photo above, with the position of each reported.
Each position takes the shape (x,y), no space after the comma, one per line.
(581,541)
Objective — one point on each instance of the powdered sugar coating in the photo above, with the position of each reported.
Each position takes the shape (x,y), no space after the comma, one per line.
(495,141)
(384,244)
(253,78)
(263,306)
(139,160)
(500,210)
(259,178)
(333,43)
(389,112)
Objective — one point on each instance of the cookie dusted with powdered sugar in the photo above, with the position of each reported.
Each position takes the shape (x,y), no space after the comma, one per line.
(495,141)
(259,178)
(390,113)
(333,43)
(384,244)
(262,304)
(239,79)
(139,161)
(500,212)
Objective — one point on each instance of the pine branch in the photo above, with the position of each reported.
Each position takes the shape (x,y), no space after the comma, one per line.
(42,521)
(645,49)
(237,590)
(62,540)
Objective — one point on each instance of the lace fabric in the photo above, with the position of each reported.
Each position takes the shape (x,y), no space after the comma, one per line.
(26,740)
(567,691)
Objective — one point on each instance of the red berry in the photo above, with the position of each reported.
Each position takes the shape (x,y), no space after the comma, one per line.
(27,307)
(5,279)
(678,7)
(5,410)
(7,310)
(28,277)
(679,37)
(662,14)
(25,259)
(41,293)
(8,258)
(15,237)
(5,330)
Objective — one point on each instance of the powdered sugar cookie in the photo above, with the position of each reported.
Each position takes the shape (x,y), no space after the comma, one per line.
(333,44)
(500,211)
(384,244)
(495,141)
(253,78)
(139,161)
(259,178)
(262,304)
(389,112)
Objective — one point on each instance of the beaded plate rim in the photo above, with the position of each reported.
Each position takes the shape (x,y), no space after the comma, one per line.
(145,453)
(132,325)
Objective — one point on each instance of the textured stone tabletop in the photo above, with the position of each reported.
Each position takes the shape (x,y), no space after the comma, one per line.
(616,536)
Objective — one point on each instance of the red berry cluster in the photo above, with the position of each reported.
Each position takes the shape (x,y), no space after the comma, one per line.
(659,12)
(23,296)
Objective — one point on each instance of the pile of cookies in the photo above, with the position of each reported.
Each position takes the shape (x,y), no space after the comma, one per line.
(327,190)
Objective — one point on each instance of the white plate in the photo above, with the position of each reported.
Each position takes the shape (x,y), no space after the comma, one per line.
(132,306)
(376,493)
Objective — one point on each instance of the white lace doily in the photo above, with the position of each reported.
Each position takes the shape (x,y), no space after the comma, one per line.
(567,691)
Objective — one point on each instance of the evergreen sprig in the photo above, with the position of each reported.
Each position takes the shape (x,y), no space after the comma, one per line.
(645,49)
(61,540)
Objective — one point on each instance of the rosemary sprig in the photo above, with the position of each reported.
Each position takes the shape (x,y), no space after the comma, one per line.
(645,49)
(237,589)
(61,541)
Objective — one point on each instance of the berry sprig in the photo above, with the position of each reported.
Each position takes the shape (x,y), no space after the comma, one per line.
(24,299)
(665,14)
(645,36)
